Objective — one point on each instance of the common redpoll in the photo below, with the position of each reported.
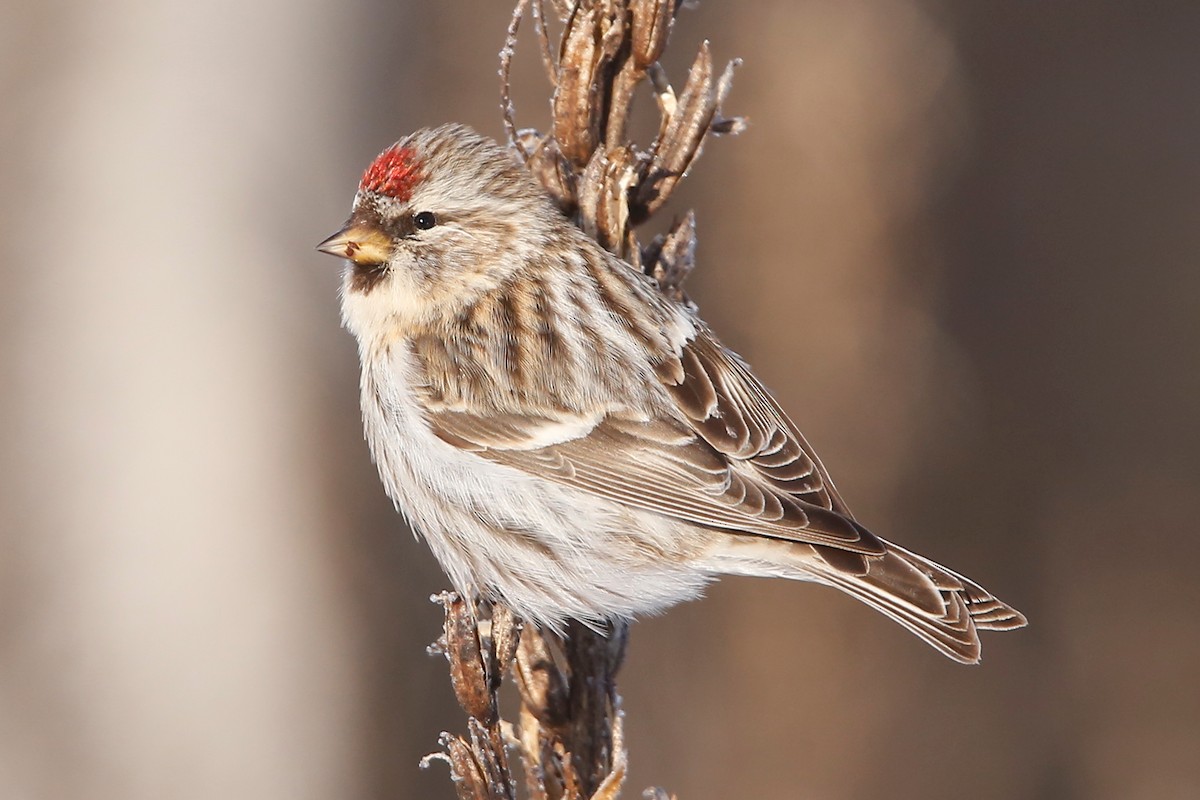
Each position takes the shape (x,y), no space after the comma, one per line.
(568,441)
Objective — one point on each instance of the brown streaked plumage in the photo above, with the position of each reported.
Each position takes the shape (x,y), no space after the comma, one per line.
(569,441)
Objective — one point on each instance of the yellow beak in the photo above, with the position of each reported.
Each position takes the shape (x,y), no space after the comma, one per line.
(361,242)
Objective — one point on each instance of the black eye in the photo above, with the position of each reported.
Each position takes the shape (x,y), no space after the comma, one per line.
(424,220)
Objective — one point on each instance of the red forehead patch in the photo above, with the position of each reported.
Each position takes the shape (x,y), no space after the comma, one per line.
(394,173)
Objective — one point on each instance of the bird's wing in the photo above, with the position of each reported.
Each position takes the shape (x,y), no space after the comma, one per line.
(729,459)
(728,407)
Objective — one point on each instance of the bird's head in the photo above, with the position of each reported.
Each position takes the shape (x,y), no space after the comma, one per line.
(440,218)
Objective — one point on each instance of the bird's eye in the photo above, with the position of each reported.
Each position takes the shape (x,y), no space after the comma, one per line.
(424,220)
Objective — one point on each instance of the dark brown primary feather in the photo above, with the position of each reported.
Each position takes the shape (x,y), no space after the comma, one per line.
(735,414)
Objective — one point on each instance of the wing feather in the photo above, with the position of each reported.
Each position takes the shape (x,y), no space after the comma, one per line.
(702,471)
(746,423)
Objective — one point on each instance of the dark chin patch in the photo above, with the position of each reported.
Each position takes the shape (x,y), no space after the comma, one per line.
(365,277)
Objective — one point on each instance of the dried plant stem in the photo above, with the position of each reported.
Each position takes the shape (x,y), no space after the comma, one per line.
(568,739)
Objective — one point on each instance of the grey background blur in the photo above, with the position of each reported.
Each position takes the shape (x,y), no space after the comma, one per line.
(959,240)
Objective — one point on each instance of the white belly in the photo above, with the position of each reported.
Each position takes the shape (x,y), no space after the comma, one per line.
(549,551)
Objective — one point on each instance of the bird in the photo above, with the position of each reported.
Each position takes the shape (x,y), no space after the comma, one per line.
(570,442)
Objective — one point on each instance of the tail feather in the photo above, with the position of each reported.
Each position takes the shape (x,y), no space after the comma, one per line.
(938,605)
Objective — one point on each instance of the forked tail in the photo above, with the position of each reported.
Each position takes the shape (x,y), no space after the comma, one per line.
(938,605)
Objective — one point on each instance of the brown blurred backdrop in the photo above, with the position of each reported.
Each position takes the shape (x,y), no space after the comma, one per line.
(960,240)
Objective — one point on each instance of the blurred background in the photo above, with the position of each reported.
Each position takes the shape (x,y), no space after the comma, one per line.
(959,240)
